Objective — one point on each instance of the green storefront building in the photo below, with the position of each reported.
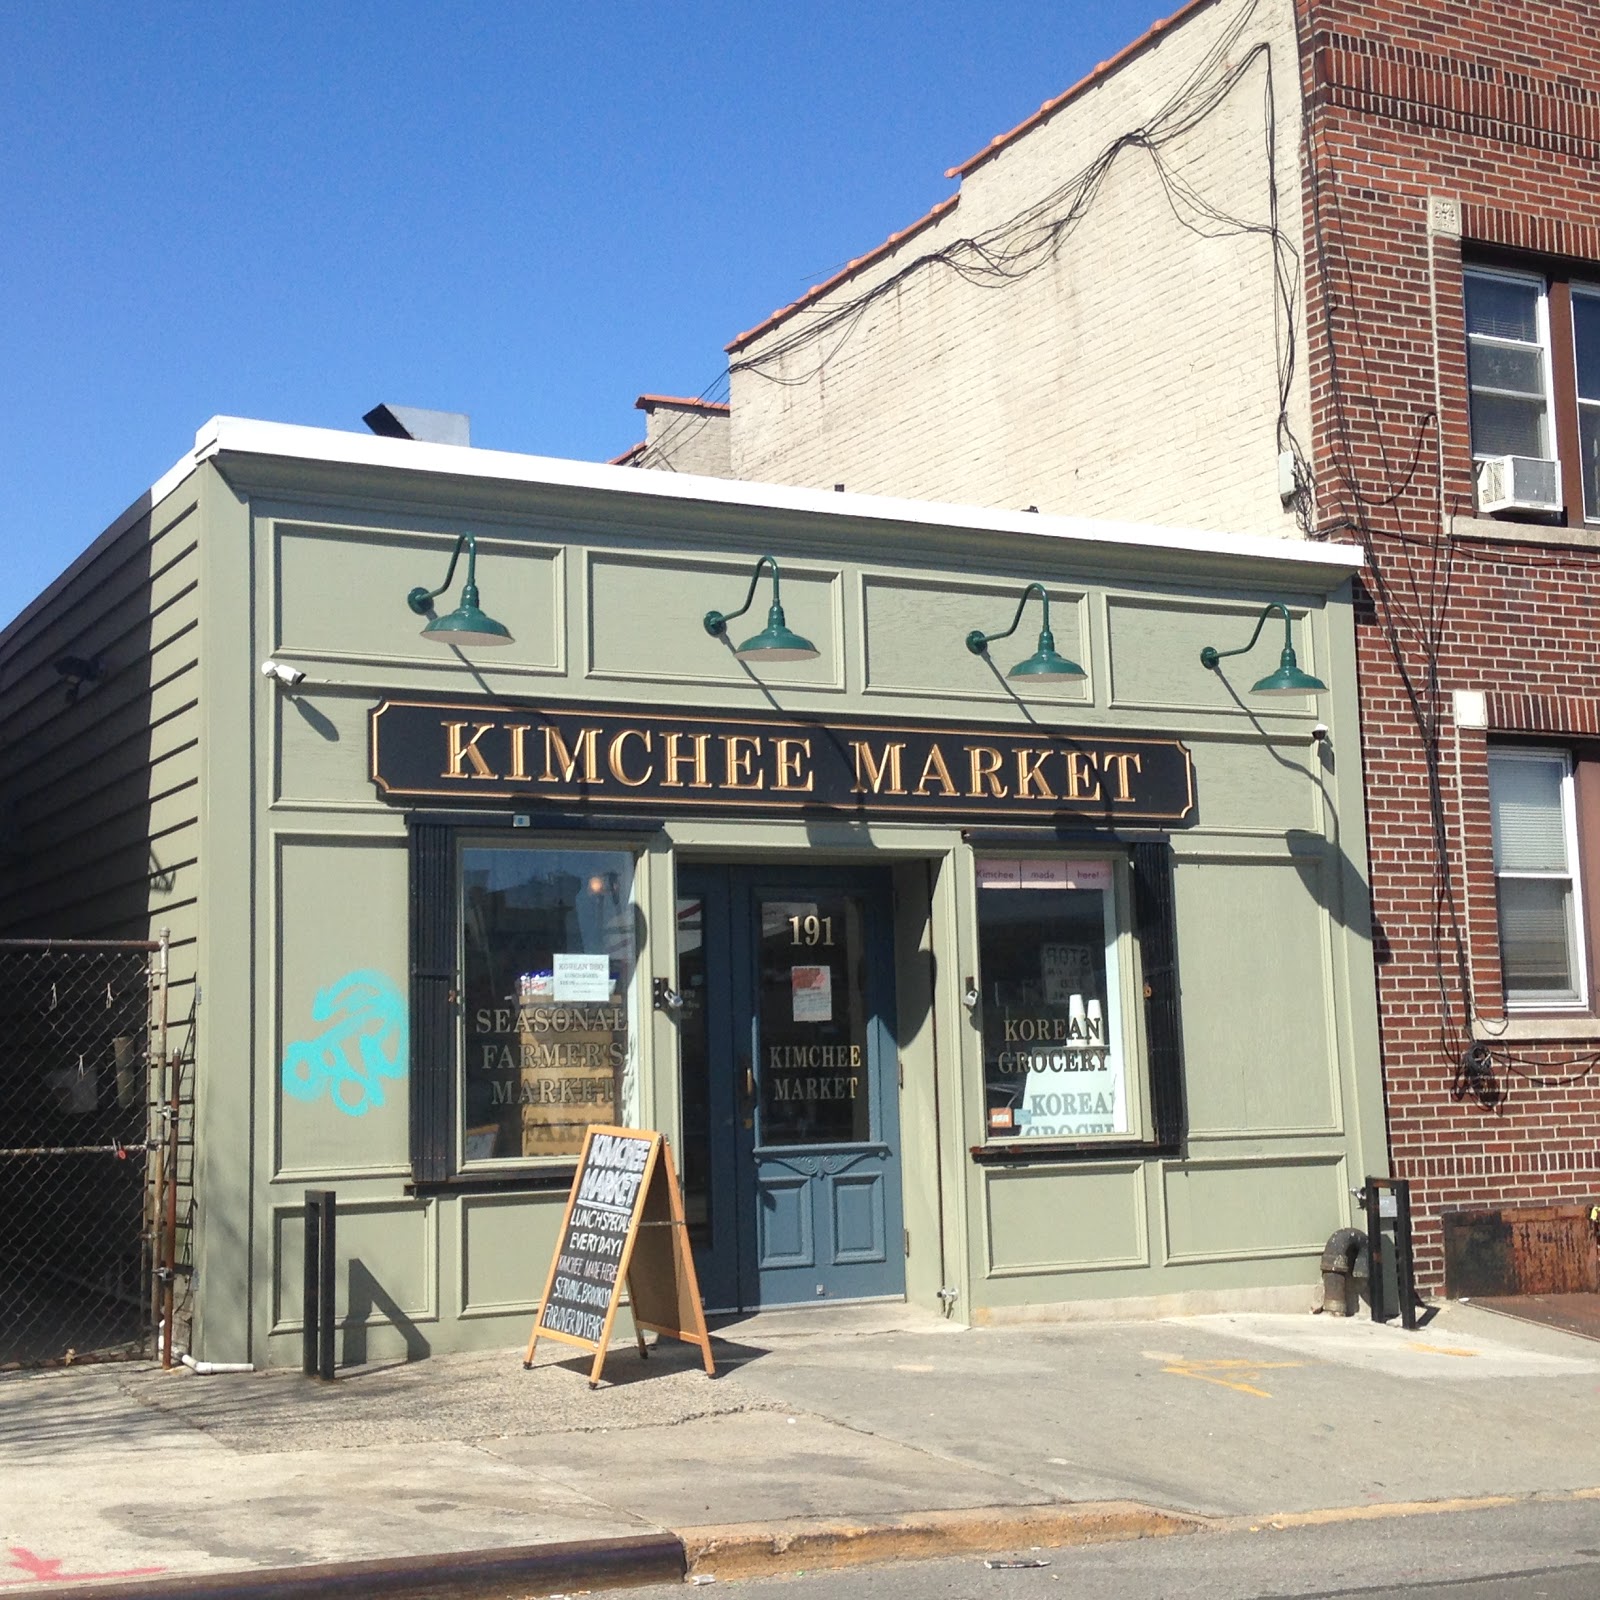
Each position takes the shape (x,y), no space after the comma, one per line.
(1010,994)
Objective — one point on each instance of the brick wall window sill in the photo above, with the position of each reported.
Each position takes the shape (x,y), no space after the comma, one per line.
(1506,531)
(1527,1029)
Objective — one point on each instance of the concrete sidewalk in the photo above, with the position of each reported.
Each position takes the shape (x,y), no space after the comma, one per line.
(825,1436)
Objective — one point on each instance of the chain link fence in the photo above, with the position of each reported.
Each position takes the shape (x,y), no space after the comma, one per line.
(87,1149)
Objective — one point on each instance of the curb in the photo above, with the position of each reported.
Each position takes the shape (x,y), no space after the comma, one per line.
(742,1551)
(536,1569)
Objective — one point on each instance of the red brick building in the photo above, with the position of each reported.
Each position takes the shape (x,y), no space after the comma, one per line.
(1322,269)
(1452,243)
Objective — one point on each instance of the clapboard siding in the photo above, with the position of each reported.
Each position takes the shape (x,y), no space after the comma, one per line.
(99,797)
(142,597)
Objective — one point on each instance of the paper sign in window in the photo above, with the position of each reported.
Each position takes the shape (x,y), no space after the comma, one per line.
(999,874)
(812,988)
(581,979)
(1066,970)
(1089,875)
(1041,875)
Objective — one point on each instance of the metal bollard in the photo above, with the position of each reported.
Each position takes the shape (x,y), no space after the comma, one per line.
(1395,1205)
(319,1320)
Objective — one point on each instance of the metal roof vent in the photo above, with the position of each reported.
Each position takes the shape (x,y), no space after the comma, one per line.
(412,422)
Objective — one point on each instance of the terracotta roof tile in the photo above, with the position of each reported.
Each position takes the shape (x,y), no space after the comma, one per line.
(992,148)
(1104,70)
(646,401)
(784,312)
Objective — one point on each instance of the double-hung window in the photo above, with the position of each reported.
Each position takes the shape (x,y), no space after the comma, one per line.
(1586,342)
(1508,365)
(1533,383)
(1538,887)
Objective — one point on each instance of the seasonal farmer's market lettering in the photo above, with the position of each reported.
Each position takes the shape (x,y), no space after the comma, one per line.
(566,756)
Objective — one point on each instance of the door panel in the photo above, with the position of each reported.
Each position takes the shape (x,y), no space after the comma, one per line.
(791,1083)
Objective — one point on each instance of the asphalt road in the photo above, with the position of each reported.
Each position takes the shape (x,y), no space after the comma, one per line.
(1535,1550)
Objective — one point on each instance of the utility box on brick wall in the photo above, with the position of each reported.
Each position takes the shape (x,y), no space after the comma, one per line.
(1521,1250)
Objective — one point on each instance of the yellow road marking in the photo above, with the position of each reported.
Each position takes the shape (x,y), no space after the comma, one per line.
(1212,1372)
(1440,1349)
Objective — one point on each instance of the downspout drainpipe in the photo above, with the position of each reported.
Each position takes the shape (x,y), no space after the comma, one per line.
(206,1368)
(1344,1259)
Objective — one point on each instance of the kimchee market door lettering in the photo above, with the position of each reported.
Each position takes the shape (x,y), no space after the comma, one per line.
(596,757)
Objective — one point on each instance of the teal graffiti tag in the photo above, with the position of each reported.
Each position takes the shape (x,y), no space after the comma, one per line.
(365,1042)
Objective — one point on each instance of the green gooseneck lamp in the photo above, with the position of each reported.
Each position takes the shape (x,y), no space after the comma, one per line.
(1044,662)
(775,642)
(1288,679)
(466,624)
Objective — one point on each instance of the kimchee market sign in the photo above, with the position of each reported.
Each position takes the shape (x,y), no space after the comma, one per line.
(568,757)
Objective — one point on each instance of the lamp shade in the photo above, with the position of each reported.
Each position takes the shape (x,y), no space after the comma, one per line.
(776,642)
(1289,679)
(466,625)
(1046,668)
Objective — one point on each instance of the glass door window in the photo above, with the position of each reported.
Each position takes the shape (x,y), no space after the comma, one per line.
(813,1069)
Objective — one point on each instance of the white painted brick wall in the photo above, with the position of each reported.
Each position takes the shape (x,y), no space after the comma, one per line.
(685,439)
(1131,376)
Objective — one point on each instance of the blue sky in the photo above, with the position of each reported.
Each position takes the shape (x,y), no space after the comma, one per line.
(528,212)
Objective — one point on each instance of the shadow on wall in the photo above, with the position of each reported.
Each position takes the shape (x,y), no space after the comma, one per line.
(1343,894)
(367,1295)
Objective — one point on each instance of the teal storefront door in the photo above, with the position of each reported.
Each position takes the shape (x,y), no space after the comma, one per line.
(790,1084)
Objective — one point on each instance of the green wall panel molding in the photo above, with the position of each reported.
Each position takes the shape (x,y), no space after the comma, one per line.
(331,583)
(1226,1211)
(1155,647)
(386,1264)
(1048,1220)
(1259,1026)
(503,1246)
(914,632)
(645,611)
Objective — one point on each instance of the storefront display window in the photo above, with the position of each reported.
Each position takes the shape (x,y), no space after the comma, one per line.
(1055,1062)
(548,955)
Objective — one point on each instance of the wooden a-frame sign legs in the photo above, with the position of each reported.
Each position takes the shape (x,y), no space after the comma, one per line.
(623,1225)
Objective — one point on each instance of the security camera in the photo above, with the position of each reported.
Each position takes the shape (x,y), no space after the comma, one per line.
(288,676)
(1319,734)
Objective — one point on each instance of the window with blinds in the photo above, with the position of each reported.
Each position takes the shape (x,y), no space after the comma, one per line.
(1532,808)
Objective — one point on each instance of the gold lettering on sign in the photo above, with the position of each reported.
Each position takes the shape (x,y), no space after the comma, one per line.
(1029,778)
(1120,762)
(738,764)
(934,768)
(791,752)
(584,748)
(873,768)
(1083,782)
(614,757)
(467,750)
(519,749)
(674,759)
(984,764)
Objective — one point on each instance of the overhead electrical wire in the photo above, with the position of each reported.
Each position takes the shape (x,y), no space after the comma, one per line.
(1032,239)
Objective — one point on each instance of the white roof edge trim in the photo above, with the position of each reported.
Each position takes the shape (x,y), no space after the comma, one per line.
(240,435)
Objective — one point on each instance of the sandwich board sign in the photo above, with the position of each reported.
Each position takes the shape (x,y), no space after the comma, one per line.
(623,1226)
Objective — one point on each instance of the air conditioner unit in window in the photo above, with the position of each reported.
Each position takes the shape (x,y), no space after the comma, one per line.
(1518,483)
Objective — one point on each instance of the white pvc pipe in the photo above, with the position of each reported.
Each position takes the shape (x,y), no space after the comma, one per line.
(205,1368)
